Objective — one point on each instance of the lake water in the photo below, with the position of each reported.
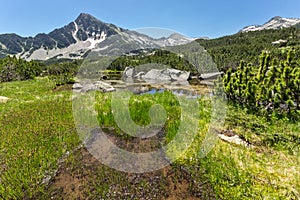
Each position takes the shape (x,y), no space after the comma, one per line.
(191,91)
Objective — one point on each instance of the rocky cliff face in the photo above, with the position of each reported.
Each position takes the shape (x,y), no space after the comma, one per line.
(77,38)
(73,39)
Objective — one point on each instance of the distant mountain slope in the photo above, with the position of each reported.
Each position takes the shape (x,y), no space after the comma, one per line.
(275,23)
(77,38)
(86,34)
(228,51)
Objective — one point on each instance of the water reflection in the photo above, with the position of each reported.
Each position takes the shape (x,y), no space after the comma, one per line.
(190,91)
(190,94)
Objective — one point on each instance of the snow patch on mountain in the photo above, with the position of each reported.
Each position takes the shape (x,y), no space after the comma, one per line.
(3,46)
(74,51)
(173,40)
(274,23)
(75,32)
(125,41)
(77,38)
(98,38)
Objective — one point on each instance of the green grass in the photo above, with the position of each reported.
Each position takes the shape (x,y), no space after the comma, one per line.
(269,170)
(37,128)
(138,109)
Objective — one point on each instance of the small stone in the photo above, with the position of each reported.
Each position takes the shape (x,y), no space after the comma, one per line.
(77,86)
(3,99)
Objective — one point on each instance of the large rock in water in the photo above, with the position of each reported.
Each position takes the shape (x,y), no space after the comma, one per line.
(167,75)
(105,87)
(97,85)
(140,75)
(128,72)
(77,86)
(157,74)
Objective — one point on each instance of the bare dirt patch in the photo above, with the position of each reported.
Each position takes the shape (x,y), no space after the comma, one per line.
(82,176)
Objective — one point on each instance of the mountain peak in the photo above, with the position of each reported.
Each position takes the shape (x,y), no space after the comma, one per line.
(84,17)
(87,26)
(276,18)
(176,35)
(75,40)
(276,22)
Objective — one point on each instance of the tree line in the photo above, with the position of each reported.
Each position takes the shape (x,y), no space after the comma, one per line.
(157,56)
(61,72)
(228,51)
(13,68)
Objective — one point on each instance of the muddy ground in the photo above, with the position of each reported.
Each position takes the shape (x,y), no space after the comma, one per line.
(82,176)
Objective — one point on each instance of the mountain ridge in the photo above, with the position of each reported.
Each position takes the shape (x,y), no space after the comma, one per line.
(274,23)
(59,38)
(77,38)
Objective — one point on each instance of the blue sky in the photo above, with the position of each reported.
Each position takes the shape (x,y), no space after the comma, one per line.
(194,18)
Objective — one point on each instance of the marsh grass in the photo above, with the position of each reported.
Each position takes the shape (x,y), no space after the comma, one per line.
(37,128)
(139,107)
(269,170)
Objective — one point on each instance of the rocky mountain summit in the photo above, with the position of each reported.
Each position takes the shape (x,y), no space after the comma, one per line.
(78,38)
(86,33)
(275,23)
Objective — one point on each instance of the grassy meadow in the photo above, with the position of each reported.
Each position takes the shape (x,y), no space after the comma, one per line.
(39,144)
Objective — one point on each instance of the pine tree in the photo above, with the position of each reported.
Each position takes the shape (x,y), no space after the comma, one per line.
(274,88)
